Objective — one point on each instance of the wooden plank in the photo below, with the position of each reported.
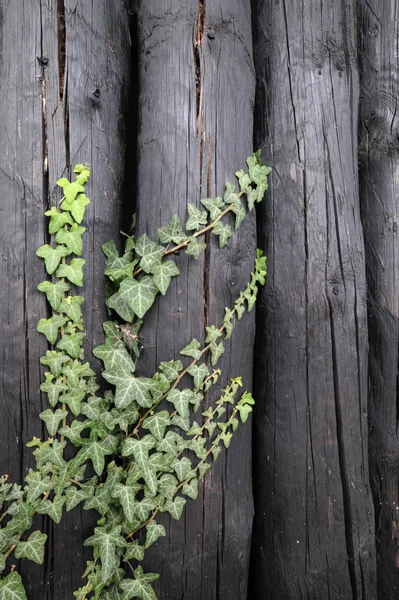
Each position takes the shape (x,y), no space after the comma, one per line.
(379,193)
(314,525)
(188,146)
(64,101)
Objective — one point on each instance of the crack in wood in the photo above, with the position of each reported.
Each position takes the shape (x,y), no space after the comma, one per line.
(61,47)
(198,35)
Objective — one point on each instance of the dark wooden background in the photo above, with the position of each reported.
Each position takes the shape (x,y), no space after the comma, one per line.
(165,99)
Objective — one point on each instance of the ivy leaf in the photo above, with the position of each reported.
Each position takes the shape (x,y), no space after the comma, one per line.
(213,333)
(180,401)
(257,171)
(71,238)
(134,297)
(71,190)
(129,388)
(107,542)
(230,194)
(198,373)
(53,419)
(182,467)
(52,454)
(72,432)
(190,489)
(154,531)
(54,292)
(73,271)
(139,448)
(150,252)
(49,327)
(144,508)
(183,422)
(71,344)
(133,588)
(157,424)
(216,352)
(54,361)
(214,206)
(127,498)
(224,232)
(52,256)
(203,468)
(33,548)
(53,388)
(74,497)
(134,551)
(52,508)
(115,358)
(172,443)
(175,507)
(37,485)
(239,211)
(57,219)
(173,232)
(168,486)
(12,588)
(74,401)
(70,306)
(77,207)
(117,267)
(192,349)
(196,218)
(163,273)
(195,248)
(244,180)
(171,369)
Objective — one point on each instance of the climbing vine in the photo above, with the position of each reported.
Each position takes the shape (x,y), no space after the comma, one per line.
(141,447)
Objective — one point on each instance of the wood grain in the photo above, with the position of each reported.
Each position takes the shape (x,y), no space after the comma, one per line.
(314,525)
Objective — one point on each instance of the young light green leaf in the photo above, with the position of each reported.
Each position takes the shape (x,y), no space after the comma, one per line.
(33,548)
(173,232)
(163,273)
(57,219)
(50,327)
(71,190)
(52,256)
(154,531)
(196,218)
(192,349)
(195,248)
(53,419)
(77,207)
(54,292)
(214,205)
(71,238)
(73,271)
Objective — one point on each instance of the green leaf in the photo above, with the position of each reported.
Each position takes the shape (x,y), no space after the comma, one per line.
(74,496)
(134,551)
(157,424)
(144,508)
(129,388)
(52,256)
(137,589)
(172,443)
(71,344)
(54,292)
(74,401)
(175,507)
(203,468)
(107,542)
(134,297)
(168,486)
(72,432)
(196,218)
(195,248)
(73,271)
(115,358)
(150,252)
(49,327)
(214,206)
(12,588)
(96,452)
(154,531)
(224,232)
(192,349)
(230,195)
(163,273)
(52,508)
(180,401)
(33,548)
(198,373)
(213,333)
(216,352)
(226,438)
(71,238)
(171,369)
(182,467)
(53,388)
(139,448)
(54,361)
(57,219)
(71,307)
(127,498)
(239,211)
(53,419)
(77,207)
(37,485)
(190,489)
(244,180)
(52,454)
(71,190)
(173,232)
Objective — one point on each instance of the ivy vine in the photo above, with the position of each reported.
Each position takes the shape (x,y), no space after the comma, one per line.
(148,439)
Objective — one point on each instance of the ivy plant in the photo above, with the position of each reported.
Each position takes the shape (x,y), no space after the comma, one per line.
(141,447)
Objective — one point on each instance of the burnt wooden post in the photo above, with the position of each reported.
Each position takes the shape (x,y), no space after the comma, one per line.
(195,106)
(64,82)
(314,529)
(379,194)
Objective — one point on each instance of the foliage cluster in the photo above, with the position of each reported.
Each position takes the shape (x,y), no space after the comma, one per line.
(141,447)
